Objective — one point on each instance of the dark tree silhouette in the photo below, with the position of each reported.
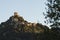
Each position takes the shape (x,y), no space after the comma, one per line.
(53,13)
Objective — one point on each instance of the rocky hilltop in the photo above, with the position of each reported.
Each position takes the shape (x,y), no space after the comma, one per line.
(17,27)
(18,24)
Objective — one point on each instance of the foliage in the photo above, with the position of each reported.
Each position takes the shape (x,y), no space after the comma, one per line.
(53,13)
(23,30)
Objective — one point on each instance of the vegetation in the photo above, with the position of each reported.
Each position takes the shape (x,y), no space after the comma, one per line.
(16,28)
(53,16)
(53,13)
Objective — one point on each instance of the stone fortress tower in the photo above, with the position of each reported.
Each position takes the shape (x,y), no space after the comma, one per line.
(16,14)
(16,17)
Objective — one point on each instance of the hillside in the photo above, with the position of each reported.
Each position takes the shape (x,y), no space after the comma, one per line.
(16,28)
(18,23)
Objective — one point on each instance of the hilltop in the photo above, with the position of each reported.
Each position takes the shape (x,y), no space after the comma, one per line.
(17,28)
(19,24)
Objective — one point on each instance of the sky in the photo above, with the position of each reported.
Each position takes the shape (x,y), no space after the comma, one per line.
(30,10)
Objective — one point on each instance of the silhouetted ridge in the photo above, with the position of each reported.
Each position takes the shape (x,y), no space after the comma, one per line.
(17,23)
(16,28)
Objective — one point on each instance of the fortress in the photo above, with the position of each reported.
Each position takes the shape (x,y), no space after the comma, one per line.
(18,18)
(15,13)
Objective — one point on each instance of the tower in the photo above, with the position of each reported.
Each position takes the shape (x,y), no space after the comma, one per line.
(16,16)
(15,13)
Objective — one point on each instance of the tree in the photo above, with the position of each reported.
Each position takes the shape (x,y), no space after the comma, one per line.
(53,13)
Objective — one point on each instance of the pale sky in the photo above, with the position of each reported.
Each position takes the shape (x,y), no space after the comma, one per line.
(30,10)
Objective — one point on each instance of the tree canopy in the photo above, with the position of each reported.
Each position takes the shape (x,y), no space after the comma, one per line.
(53,13)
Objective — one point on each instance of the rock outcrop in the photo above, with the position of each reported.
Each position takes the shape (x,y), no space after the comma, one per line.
(16,26)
